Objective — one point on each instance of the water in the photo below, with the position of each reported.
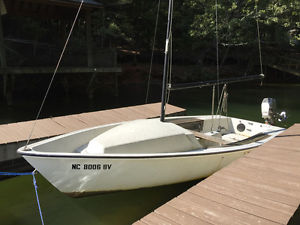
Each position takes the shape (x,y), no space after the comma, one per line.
(17,198)
(244,101)
(18,204)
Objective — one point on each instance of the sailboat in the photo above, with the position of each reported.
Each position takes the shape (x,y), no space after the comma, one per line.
(147,152)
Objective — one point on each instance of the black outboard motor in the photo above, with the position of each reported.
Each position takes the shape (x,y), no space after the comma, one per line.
(268,111)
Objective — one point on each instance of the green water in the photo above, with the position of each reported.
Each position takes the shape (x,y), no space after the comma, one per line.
(17,197)
(18,204)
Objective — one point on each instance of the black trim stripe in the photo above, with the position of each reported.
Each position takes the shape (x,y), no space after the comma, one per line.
(132,157)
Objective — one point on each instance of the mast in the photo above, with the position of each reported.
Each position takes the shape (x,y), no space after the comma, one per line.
(166,69)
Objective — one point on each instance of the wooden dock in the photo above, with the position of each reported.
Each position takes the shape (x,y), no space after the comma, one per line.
(15,135)
(16,132)
(263,187)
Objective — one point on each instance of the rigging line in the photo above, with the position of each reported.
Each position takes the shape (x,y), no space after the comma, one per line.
(54,73)
(169,83)
(212,106)
(217,112)
(166,60)
(221,99)
(153,45)
(217,64)
(169,73)
(223,106)
(258,39)
(217,49)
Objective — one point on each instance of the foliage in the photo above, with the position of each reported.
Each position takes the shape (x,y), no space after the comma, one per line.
(195,21)
(131,26)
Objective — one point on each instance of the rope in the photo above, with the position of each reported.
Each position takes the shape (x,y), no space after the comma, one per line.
(34,184)
(151,61)
(37,196)
(54,73)
(14,174)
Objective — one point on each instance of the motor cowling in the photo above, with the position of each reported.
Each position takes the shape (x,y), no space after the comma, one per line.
(268,111)
(268,107)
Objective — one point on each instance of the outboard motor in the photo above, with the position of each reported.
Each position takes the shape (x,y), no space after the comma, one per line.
(268,111)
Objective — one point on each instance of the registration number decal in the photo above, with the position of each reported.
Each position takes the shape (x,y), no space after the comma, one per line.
(91,166)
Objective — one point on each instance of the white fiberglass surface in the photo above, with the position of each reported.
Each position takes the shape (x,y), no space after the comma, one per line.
(143,136)
(75,142)
(71,141)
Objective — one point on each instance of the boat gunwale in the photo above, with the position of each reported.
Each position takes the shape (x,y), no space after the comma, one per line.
(29,151)
(197,152)
(134,156)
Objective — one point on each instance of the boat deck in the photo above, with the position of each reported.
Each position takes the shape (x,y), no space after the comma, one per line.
(263,187)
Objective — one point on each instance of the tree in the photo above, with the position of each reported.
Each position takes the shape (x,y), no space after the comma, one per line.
(279,20)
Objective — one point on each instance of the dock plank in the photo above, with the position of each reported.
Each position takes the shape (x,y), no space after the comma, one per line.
(70,123)
(5,136)
(251,195)
(141,223)
(179,216)
(253,209)
(286,146)
(94,118)
(235,182)
(214,212)
(127,114)
(263,187)
(264,183)
(142,111)
(251,163)
(277,156)
(288,183)
(156,218)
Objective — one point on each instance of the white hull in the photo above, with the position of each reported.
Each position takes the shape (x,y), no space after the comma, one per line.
(77,174)
(115,174)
